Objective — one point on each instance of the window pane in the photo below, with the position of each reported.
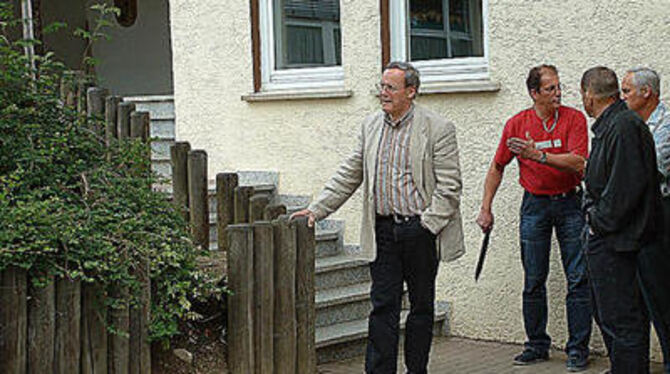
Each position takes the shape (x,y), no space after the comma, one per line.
(436,36)
(307,33)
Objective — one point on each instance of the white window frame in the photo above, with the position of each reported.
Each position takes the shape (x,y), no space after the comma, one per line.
(439,70)
(290,79)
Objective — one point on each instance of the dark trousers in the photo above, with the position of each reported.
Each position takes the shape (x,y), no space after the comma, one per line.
(619,306)
(654,271)
(405,253)
(540,215)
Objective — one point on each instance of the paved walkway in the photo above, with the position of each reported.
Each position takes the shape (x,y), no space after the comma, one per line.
(462,356)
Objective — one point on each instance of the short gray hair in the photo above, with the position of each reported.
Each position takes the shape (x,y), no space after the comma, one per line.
(601,81)
(412,78)
(644,76)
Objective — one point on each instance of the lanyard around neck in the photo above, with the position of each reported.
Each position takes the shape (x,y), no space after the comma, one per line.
(553,126)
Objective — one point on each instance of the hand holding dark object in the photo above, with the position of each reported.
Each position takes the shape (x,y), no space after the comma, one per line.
(485,220)
(482,255)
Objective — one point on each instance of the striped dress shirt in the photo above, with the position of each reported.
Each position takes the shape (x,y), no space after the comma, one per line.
(395,191)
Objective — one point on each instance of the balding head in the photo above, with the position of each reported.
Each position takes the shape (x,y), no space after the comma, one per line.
(601,82)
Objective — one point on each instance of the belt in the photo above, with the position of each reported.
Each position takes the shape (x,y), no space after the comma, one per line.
(396,218)
(558,196)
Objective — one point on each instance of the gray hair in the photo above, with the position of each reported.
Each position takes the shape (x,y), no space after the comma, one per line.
(601,81)
(412,78)
(643,76)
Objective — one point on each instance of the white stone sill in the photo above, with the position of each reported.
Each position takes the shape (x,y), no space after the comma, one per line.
(298,94)
(455,87)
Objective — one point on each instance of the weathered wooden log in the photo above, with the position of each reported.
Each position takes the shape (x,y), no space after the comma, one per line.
(225,205)
(41,327)
(242,196)
(305,304)
(93,330)
(13,321)
(83,85)
(95,101)
(123,119)
(263,297)
(198,197)
(118,342)
(284,298)
(240,244)
(140,349)
(68,327)
(273,211)
(68,87)
(257,204)
(179,160)
(111,113)
(140,125)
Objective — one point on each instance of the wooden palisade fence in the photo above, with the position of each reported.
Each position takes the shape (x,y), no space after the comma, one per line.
(271,311)
(62,328)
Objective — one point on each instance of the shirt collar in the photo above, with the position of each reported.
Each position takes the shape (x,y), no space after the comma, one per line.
(615,107)
(408,116)
(657,115)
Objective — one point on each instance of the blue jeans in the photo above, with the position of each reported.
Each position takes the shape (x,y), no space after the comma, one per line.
(540,215)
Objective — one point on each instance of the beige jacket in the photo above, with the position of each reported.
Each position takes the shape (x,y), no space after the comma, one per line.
(435,169)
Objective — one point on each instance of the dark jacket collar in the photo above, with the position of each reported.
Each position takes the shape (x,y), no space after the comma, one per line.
(603,122)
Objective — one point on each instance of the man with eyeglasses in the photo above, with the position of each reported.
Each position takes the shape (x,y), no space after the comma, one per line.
(406,158)
(640,89)
(550,143)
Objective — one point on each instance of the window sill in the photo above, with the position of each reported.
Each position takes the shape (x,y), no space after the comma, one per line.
(459,87)
(283,95)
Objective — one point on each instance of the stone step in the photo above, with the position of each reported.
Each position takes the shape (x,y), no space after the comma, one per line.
(159,107)
(293,203)
(348,339)
(162,129)
(160,149)
(339,271)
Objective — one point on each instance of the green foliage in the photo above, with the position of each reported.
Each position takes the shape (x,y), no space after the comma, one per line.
(72,207)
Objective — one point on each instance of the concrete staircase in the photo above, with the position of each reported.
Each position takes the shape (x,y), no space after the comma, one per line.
(342,281)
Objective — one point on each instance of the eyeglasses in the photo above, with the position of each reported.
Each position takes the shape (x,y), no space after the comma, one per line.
(552,89)
(381,87)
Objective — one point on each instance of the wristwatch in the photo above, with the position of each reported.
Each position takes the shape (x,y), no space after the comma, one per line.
(543,158)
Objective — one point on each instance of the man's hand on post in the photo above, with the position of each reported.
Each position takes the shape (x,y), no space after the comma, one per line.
(311,217)
(485,220)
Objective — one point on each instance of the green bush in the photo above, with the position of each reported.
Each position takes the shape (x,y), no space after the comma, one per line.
(69,210)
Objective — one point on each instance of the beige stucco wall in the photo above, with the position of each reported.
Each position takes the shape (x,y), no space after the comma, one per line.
(305,140)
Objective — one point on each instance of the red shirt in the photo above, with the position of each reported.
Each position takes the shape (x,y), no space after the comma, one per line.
(569,136)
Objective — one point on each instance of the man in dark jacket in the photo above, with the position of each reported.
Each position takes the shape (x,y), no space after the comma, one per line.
(621,207)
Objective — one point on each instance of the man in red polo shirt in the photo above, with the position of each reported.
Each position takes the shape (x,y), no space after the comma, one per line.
(550,143)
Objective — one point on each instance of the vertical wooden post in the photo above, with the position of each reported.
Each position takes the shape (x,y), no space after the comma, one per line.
(284,297)
(13,321)
(273,211)
(305,306)
(197,197)
(257,206)
(83,85)
(140,352)
(111,113)
(41,327)
(95,102)
(68,87)
(68,325)
(225,200)
(263,297)
(140,125)
(93,330)
(119,347)
(242,196)
(240,303)
(123,119)
(179,160)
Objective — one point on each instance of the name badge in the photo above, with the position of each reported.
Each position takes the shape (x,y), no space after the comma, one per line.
(543,145)
(557,143)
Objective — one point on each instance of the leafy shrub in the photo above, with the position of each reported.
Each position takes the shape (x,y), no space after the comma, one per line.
(71,207)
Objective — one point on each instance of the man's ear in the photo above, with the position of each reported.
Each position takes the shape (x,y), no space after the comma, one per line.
(533,94)
(411,92)
(645,91)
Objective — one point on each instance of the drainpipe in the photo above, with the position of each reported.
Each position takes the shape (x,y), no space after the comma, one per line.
(28,33)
